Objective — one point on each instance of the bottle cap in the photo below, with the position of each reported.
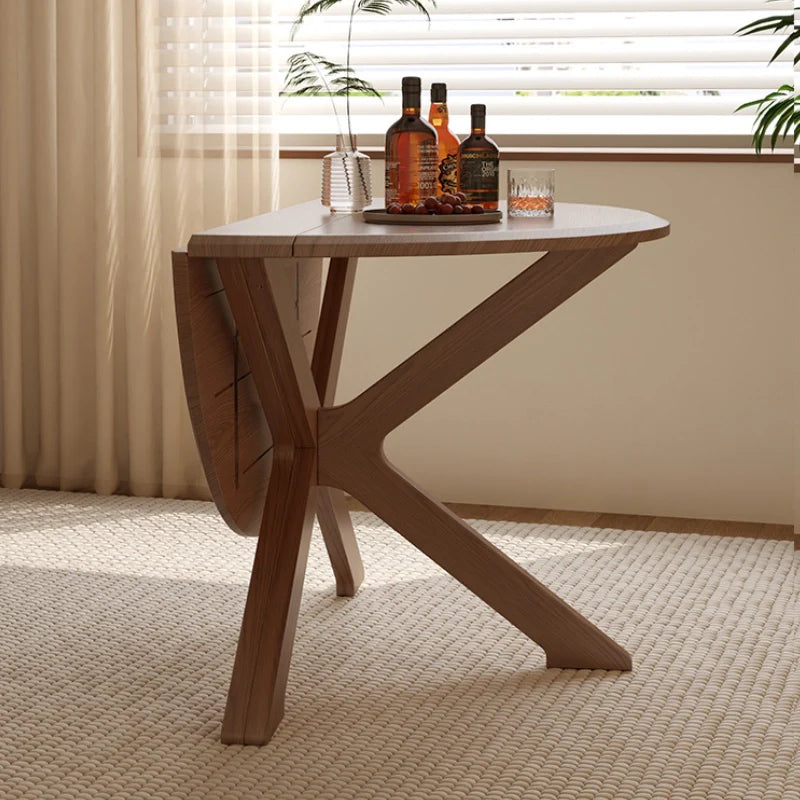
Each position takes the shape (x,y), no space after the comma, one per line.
(438,93)
(412,92)
(478,113)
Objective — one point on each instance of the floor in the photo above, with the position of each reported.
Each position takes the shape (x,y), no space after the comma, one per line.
(119,619)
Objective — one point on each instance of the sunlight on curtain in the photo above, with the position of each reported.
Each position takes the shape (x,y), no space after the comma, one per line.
(97,187)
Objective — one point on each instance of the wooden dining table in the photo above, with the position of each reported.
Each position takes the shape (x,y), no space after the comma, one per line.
(261,347)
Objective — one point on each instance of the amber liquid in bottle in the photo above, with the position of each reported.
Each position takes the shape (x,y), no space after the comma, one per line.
(479,163)
(412,157)
(448,144)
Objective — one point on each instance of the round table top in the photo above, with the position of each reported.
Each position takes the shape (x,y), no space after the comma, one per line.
(310,230)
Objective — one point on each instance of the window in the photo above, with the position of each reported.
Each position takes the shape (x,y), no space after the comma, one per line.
(586,73)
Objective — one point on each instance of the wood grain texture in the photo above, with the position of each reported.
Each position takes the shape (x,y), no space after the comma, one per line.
(231,431)
(334,518)
(340,540)
(264,298)
(265,308)
(307,231)
(268,268)
(332,326)
(265,236)
(491,325)
(258,684)
(308,289)
(569,640)
(572,227)
(350,453)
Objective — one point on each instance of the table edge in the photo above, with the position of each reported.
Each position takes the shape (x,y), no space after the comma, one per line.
(315,243)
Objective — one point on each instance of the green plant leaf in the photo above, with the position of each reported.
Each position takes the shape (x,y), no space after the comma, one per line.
(782,125)
(789,40)
(384,7)
(309,8)
(310,74)
(381,7)
(778,113)
(774,24)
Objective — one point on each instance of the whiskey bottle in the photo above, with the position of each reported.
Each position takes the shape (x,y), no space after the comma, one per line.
(448,144)
(412,162)
(479,163)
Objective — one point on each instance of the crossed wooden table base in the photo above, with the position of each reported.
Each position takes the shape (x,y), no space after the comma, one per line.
(319,450)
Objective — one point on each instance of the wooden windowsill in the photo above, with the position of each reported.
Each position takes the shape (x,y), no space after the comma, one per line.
(599,154)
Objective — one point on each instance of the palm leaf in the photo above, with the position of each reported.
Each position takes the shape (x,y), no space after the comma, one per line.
(311,75)
(384,7)
(309,8)
(774,24)
(381,7)
(778,116)
(794,36)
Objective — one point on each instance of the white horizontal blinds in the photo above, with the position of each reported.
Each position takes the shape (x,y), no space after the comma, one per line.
(551,66)
(218,65)
(562,66)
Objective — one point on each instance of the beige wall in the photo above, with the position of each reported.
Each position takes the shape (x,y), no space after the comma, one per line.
(666,387)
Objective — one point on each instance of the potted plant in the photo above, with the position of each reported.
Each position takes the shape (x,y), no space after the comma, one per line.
(346,178)
(778,113)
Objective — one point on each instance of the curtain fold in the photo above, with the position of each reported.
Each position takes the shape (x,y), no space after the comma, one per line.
(92,200)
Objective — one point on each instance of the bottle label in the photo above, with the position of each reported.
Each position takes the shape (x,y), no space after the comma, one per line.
(427,168)
(415,179)
(479,176)
(448,174)
(392,192)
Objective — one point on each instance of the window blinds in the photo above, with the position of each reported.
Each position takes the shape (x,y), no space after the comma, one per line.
(549,71)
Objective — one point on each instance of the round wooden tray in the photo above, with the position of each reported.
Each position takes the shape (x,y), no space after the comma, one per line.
(378,216)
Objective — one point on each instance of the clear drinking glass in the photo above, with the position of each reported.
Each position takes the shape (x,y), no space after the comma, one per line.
(531,192)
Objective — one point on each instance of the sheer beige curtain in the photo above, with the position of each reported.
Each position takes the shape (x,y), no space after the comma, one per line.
(125,125)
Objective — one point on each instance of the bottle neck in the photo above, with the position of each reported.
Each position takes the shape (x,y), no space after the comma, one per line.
(478,120)
(411,102)
(439,115)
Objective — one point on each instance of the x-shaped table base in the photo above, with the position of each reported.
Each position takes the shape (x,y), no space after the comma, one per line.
(320,449)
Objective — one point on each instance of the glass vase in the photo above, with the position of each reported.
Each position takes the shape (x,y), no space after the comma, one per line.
(346,177)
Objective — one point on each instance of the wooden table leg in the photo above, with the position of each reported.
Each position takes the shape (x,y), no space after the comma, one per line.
(332,512)
(263,303)
(258,684)
(568,639)
(350,451)
(341,448)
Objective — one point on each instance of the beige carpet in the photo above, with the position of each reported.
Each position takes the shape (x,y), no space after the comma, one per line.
(119,618)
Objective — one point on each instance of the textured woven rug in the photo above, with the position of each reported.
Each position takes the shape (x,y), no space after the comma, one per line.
(119,619)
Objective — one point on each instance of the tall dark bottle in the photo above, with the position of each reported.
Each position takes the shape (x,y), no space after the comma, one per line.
(479,163)
(412,160)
